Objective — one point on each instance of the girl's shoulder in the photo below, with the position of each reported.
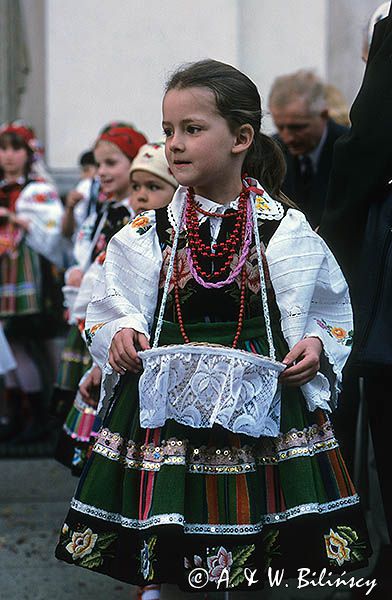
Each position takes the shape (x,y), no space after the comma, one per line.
(138,230)
(39,191)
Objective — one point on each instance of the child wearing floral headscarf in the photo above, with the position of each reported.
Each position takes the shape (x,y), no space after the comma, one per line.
(30,218)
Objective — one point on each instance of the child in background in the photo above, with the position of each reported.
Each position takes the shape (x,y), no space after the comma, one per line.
(115,149)
(152,182)
(153,187)
(88,165)
(30,213)
(82,201)
(157,501)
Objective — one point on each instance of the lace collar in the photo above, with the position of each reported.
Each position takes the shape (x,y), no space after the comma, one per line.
(267,208)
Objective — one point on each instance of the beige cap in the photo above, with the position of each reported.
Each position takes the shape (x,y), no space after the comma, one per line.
(151,158)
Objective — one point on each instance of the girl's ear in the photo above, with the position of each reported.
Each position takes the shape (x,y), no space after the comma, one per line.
(244,138)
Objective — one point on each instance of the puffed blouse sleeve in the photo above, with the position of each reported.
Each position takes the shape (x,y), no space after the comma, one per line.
(40,204)
(126,290)
(313,299)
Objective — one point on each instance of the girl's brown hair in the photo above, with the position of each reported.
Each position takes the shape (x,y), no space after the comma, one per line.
(10,138)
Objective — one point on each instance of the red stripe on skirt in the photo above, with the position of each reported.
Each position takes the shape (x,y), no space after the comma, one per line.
(147,479)
(212,498)
(337,469)
(270,488)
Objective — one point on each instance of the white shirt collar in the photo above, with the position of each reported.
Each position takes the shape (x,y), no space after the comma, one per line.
(267,208)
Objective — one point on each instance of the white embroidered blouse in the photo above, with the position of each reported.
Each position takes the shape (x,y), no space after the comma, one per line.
(311,292)
(40,204)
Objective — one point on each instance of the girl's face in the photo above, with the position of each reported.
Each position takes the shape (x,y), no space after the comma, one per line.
(199,143)
(13,161)
(113,170)
(149,192)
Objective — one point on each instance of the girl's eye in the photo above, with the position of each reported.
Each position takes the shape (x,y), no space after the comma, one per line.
(193,129)
(135,187)
(154,188)
(167,132)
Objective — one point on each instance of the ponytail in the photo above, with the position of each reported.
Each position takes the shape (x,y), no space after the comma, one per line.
(265,162)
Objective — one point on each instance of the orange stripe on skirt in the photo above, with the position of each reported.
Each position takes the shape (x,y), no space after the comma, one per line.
(243,508)
(344,490)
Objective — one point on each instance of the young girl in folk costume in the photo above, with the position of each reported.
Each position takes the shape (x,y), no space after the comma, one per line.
(207,462)
(114,151)
(30,219)
(152,187)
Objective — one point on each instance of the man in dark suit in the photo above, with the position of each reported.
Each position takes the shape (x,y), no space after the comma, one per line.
(307,136)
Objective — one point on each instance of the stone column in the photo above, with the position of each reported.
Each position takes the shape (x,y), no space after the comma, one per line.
(14,60)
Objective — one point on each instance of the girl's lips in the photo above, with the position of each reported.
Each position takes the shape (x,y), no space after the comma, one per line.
(182,163)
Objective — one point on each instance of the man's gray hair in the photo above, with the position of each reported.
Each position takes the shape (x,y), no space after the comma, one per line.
(302,84)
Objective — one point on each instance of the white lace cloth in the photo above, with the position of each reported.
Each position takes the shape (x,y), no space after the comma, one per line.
(201,386)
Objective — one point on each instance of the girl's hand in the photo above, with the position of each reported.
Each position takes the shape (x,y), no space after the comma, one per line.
(4,214)
(89,388)
(304,359)
(74,277)
(123,350)
(20,221)
(73,198)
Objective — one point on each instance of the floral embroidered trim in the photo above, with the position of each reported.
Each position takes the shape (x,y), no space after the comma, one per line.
(205,528)
(338,333)
(218,560)
(75,357)
(141,223)
(109,444)
(148,558)
(89,333)
(87,549)
(344,545)
(205,460)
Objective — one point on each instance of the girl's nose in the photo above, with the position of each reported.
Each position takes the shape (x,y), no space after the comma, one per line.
(176,143)
(141,194)
(101,170)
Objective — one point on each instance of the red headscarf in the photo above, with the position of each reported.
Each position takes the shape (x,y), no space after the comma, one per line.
(22,130)
(125,138)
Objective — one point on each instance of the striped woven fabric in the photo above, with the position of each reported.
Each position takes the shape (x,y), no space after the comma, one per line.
(20,282)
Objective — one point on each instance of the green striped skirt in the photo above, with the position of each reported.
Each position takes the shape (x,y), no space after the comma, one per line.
(75,360)
(201,506)
(20,283)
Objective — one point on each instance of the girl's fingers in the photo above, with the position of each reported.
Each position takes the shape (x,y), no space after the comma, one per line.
(122,363)
(300,379)
(143,342)
(84,391)
(303,365)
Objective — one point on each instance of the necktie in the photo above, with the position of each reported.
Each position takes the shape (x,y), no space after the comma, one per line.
(306,169)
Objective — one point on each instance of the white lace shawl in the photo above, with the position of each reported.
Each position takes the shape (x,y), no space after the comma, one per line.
(311,292)
(40,204)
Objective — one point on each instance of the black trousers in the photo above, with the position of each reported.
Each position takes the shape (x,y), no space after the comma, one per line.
(378,395)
